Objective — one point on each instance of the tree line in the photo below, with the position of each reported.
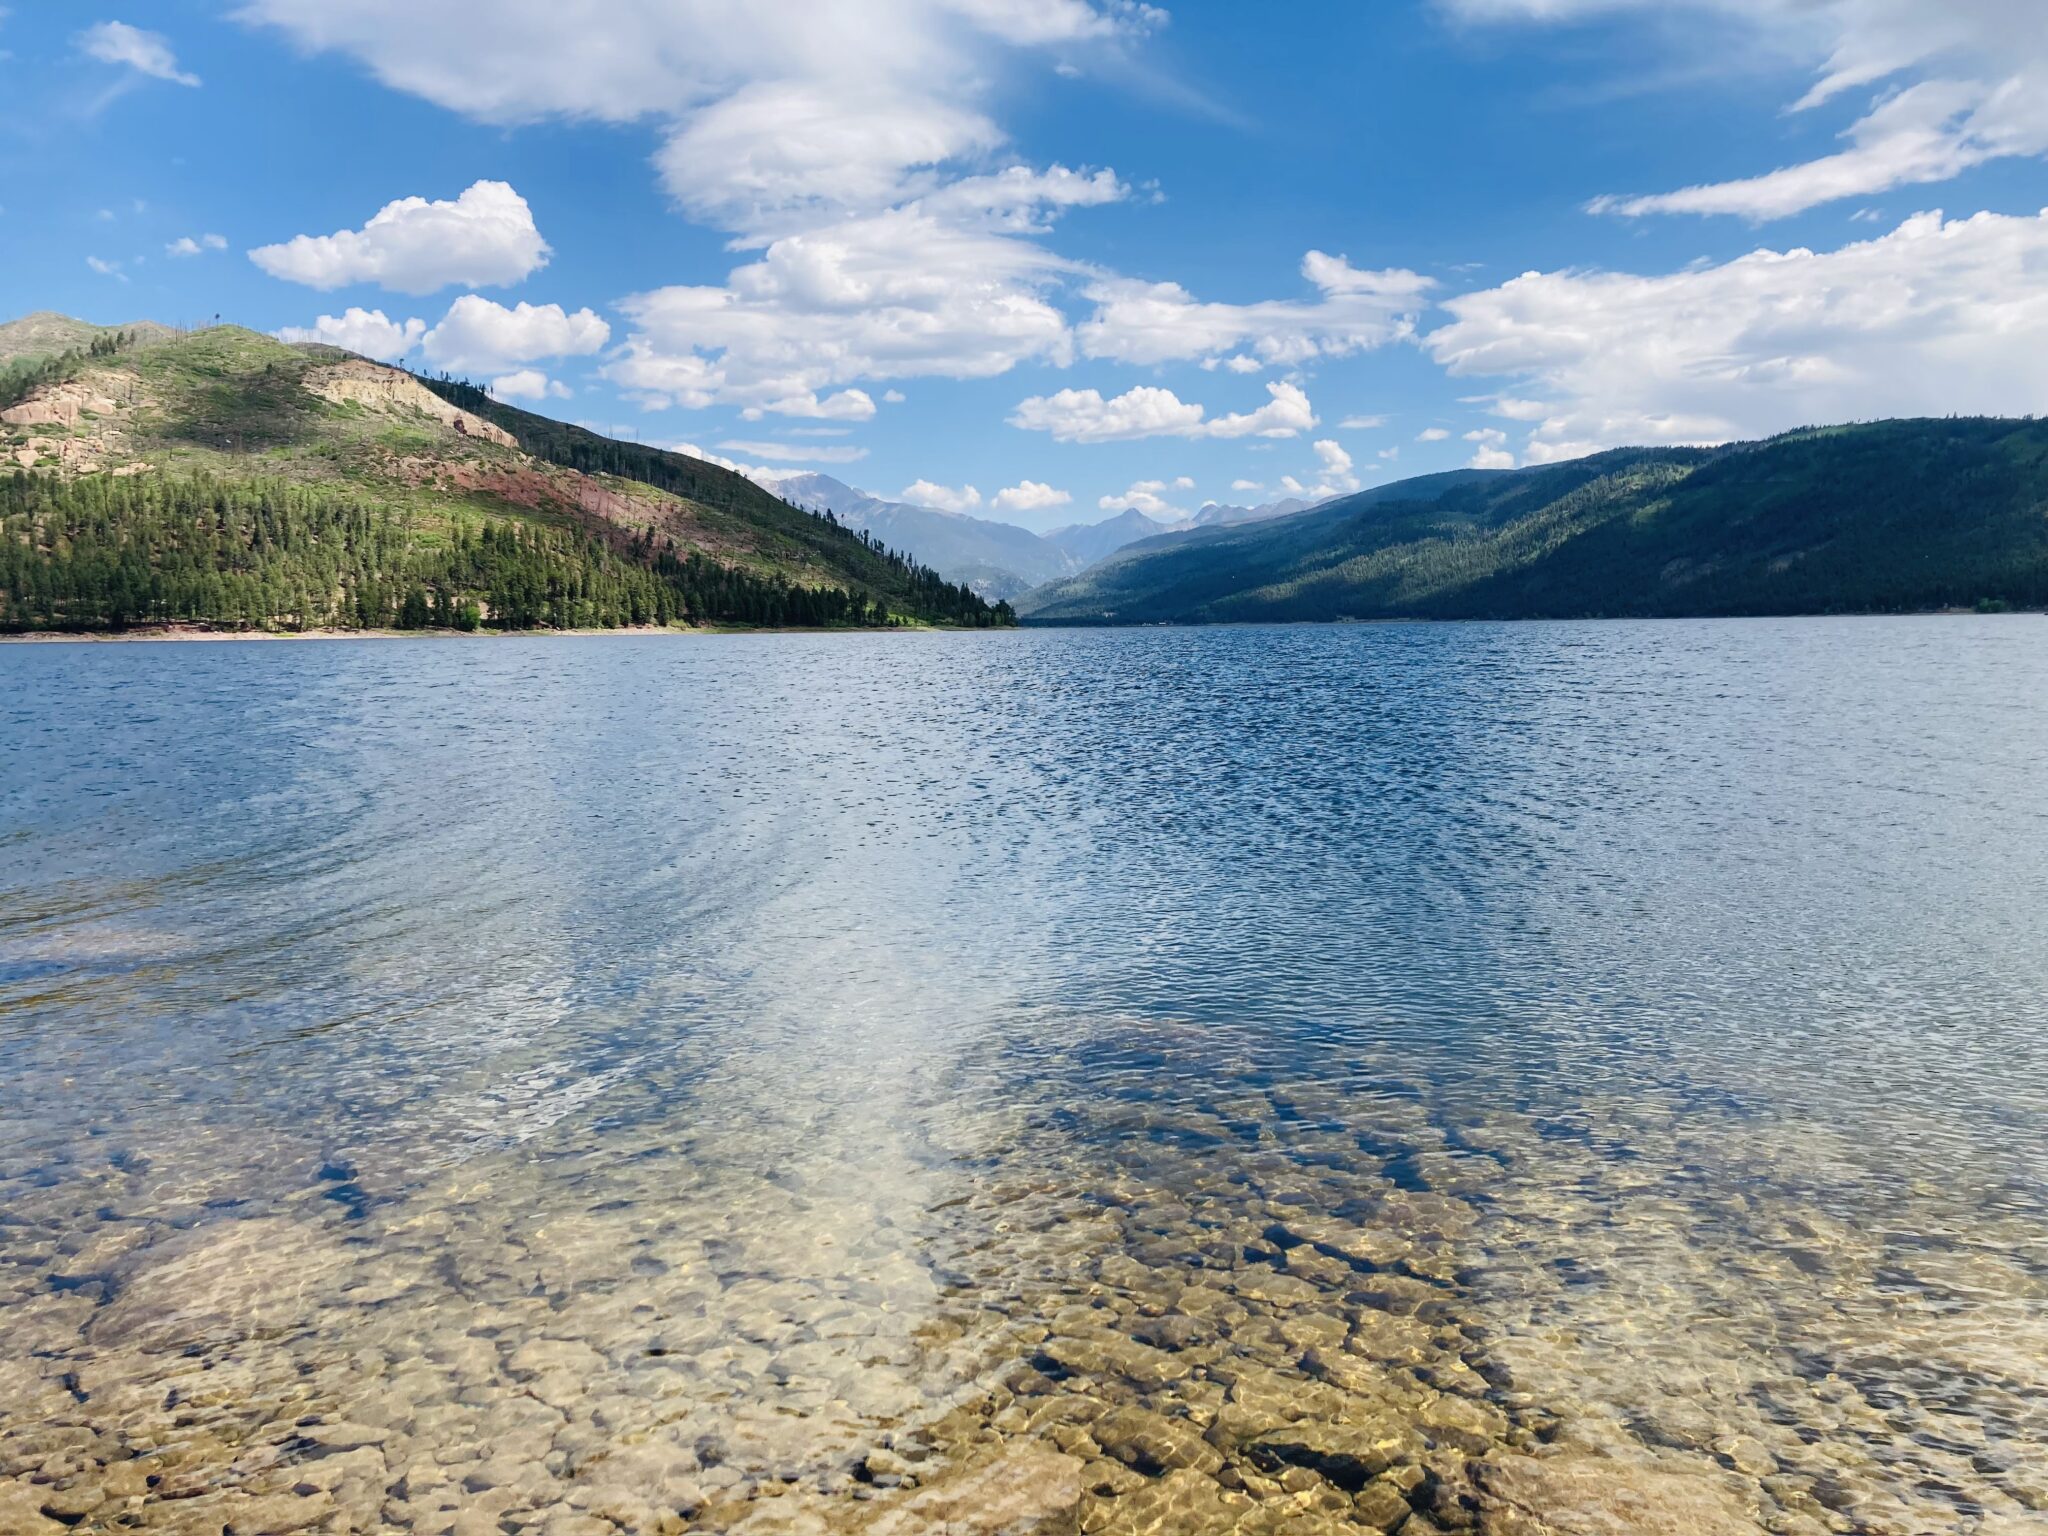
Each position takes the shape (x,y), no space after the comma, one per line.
(106,552)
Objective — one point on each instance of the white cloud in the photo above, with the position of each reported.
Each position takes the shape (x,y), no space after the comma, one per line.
(147,53)
(106,268)
(1335,476)
(893,397)
(1491,452)
(368,331)
(186,245)
(849,146)
(484,238)
(775,115)
(1084,416)
(804,453)
(1431,435)
(1966,82)
(1361,423)
(1141,322)
(901,294)
(847,405)
(923,493)
(1390,454)
(1246,485)
(479,335)
(1146,497)
(1029,496)
(528,384)
(1935,317)
(849,143)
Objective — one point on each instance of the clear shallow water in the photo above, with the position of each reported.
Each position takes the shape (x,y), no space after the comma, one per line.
(611,1080)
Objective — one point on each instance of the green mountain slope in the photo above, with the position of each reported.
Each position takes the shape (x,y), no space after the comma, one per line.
(1886,517)
(318,488)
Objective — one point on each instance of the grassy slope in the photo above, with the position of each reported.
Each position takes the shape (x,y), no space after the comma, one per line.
(47,333)
(233,402)
(793,538)
(1884,517)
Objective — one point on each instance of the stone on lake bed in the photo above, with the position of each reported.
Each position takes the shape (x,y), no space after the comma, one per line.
(1023,1490)
(1183,1503)
(1349,1455)
(1152,1442)
(1576,1495)
(1098,1355)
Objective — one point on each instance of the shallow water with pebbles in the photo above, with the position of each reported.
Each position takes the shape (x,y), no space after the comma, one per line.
(1529,1080)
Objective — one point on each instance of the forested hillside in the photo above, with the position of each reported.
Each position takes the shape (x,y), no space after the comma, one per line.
(225,478)
(1887,517)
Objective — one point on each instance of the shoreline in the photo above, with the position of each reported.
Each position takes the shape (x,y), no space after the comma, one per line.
(184,634)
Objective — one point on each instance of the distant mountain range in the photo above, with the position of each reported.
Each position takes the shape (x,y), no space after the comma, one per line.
(1882,517)
(997,560)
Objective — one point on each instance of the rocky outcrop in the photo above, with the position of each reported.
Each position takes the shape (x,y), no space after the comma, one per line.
(390,392)
(61,405)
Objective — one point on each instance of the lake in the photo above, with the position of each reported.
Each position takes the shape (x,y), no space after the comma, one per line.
(1263,1079)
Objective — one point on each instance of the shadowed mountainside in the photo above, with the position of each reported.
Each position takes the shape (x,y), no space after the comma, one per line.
(1886,517)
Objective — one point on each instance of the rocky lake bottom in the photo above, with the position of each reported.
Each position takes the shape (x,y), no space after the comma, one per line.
(342,1191)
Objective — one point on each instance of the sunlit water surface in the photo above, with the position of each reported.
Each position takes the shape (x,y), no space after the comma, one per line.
(604,1079)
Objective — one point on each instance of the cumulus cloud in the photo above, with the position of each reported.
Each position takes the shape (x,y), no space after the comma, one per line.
(106,268)
(147,53)
(923,493)
(367,331)
(1491,451)
(1966,82)
(902,294)
(773,114)
(1084,416)
(1141,322)
(1247,485)
(1431,435)
(187,245)
(484,238)
(479,335)
(1335,474)
(849,144)
(1937,316)
(528,384)
(1029,496)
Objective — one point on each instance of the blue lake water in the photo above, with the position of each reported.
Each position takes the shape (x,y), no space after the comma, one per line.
(617,1079)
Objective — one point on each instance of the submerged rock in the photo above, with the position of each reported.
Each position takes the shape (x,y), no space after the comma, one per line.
(1599,1496)
(1349,1455)
(1025,1490)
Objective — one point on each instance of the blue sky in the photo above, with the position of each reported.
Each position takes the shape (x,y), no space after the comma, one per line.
(1075,255)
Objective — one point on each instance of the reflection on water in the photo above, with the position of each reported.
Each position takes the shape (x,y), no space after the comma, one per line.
(1531,1079)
